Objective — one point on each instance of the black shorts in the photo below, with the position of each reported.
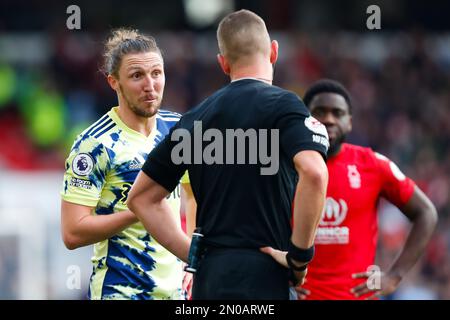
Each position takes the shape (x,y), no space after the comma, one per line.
(240,274)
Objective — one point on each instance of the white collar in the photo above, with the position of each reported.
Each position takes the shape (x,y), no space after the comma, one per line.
(251,78)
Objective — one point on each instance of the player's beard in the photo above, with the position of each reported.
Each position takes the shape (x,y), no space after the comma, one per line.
(140,111)
(336,145)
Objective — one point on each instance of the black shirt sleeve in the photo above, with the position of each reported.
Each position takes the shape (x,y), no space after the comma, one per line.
(298,129)
(159,165)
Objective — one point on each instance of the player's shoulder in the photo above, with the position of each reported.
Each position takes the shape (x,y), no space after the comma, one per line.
(88,151)
(361,154)
(97,126)
(92,137)
(365,155)
(168,115)
(353,148)
(166,120)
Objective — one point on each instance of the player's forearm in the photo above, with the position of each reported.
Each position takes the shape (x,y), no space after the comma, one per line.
(92,229)
(161,224)
(308,205)
(418,238)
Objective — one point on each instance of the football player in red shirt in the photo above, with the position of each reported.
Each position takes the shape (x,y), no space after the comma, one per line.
(345,243)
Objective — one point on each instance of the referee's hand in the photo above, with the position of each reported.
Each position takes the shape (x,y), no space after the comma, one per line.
(280,257)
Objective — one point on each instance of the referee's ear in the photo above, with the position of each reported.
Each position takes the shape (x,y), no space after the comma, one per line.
(273,51)
(223,64)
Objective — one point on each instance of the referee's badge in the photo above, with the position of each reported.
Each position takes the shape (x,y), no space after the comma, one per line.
(316,126)
(82,164)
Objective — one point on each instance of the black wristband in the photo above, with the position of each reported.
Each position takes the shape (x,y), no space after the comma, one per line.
(293,266)
(299,254)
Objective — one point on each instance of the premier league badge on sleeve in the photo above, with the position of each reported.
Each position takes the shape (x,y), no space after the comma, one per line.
(82,164)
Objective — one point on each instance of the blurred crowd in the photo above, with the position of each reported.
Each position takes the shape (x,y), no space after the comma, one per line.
(51,88)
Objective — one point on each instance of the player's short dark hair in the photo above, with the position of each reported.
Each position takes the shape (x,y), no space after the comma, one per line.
(123,41)
(327,86)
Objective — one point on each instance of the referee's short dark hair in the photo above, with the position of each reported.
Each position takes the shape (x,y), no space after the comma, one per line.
(327,86)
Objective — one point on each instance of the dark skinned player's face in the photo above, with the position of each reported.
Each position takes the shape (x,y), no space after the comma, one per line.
(332,110)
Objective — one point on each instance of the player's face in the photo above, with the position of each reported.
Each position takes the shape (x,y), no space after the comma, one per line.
(141,82)
(332,110)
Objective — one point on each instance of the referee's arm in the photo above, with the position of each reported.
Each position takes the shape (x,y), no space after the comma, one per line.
(308,206)
(147,200)
(309,197)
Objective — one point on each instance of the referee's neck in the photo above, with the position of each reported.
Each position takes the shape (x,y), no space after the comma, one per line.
(259,70)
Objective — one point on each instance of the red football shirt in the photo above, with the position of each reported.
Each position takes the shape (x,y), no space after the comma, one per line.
(347,235)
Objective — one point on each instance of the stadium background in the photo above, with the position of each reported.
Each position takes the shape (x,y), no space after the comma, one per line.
(50,89)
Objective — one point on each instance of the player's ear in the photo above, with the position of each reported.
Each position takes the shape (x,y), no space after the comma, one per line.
(223,64)
(273,51)
(113,82)
(350,123)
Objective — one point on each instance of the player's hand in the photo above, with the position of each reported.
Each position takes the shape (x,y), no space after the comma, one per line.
(187,284)
(280,257)
(388,284)
(302,293)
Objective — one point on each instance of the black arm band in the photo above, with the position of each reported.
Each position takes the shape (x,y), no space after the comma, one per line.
(292,266)
(300,255)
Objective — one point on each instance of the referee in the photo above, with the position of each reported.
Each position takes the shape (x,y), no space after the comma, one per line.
(253,153)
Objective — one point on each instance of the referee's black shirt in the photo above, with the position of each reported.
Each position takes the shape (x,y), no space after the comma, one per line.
(238,206)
